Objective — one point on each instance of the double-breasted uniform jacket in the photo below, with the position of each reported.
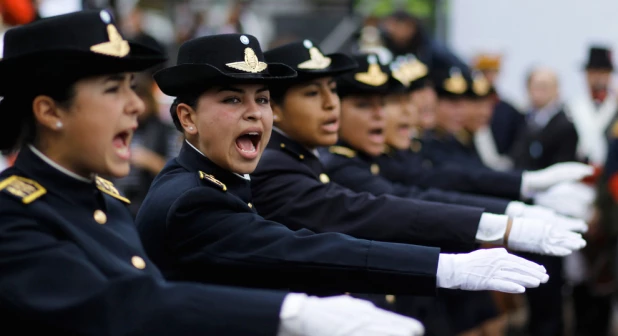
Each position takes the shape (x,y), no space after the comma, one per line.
(71,263)
(361,172)
(408,167)
(198,223)
(290,185)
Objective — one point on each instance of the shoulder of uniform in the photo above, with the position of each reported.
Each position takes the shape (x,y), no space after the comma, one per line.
(24,189)
(108,187)
(291,151)
(343,151)
(212,180)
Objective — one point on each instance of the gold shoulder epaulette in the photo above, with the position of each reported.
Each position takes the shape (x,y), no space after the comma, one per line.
(343,151)
(108,188)
(213,180)
(25,189)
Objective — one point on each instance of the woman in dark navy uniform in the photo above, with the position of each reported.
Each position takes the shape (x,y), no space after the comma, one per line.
(71,260)
(198,222)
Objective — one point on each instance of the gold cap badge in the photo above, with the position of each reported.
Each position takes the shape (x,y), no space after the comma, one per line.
(318,60)
(480,85)
(251,63)
(456,83)
(116,46)
(374,75)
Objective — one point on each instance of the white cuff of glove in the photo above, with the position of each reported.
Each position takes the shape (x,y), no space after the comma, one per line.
(491,269)
(302,315)
(532,235)
(491,228)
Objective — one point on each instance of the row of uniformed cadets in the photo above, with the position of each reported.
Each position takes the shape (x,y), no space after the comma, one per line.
(72,260)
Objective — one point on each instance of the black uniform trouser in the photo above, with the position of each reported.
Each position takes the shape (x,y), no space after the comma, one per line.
(546,302)
(592,312)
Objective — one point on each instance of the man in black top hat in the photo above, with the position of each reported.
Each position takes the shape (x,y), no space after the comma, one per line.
(593,112)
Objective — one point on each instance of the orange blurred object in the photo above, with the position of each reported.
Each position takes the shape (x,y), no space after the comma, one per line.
(11,159)
(17,12)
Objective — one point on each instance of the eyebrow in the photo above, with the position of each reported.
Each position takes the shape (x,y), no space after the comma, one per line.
(239,90)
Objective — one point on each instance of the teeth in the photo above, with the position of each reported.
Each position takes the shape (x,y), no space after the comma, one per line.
(253,133)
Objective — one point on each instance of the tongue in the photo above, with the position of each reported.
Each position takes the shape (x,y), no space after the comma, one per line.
(118,142)
(245,144)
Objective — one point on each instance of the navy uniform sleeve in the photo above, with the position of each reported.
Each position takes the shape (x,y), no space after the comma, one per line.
(298,200)
(218,239)
(484,181)
(361,179)
(50,281)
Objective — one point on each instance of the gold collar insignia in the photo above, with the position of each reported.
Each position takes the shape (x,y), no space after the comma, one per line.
(108,188)
(250,64)
(212,179)
(318,60)
(456,83)
(116,46)
(343,151)
(25,189)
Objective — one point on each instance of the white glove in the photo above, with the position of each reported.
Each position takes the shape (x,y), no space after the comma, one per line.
(341,316)
(536,181)
(518,209)
(533,235)
(571,199)
(491,269)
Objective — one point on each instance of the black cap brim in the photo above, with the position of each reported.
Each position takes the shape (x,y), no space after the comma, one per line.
(66,66)
(185,78)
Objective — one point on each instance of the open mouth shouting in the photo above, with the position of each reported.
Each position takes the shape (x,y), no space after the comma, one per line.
(331,125)
(248,143)
(122,143)
(376,135)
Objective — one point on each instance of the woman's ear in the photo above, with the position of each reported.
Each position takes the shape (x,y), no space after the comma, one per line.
(186,115)
(46,112)
(277,112)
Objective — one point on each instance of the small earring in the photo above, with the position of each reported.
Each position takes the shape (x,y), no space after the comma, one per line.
(58,124)
(190,128)
(275,118)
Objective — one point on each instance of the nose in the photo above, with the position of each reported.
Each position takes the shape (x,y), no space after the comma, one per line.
(254,112)
(135,105)
(331,100)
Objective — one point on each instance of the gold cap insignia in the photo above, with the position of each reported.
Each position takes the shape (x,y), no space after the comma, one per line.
(25,189)
(251,63)
(108,188)
(374,75)
(212,179)
(615,129)
(318,60)
(343,151)
(480,85)
(116,46)
(456,83)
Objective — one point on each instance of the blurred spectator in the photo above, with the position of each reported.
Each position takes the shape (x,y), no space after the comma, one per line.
(506,121)
(548,138)
(594,111)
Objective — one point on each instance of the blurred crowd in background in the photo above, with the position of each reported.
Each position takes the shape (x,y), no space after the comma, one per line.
(534,133)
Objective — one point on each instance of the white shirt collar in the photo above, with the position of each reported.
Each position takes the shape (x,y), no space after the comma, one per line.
(244,176)
(59,167)
(313,151)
